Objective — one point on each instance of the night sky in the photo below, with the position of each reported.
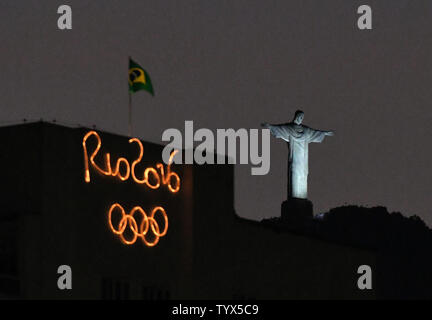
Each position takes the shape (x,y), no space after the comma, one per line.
(235,64)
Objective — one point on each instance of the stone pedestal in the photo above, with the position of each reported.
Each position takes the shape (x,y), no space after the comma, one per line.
(296,210)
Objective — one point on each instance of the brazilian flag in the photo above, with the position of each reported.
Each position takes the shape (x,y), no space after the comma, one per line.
(139,78)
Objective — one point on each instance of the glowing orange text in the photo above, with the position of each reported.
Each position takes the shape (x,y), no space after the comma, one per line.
(137,224)
(123,170)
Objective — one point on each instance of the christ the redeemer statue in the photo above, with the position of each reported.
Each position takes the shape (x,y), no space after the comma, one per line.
(298,136)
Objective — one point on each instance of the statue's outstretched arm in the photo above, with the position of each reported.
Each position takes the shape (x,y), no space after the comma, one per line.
(326,133)
(277,131)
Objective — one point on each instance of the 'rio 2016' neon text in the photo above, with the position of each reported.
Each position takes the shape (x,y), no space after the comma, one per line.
(168,178)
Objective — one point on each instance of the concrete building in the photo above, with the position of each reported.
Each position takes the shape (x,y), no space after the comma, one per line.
(54,212)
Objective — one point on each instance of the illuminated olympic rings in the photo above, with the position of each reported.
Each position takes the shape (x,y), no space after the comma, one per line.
(138,229)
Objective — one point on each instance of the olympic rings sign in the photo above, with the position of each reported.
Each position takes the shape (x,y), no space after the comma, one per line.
(137,224)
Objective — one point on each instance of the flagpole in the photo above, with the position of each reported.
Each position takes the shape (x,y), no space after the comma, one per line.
(130,114)
(130,105)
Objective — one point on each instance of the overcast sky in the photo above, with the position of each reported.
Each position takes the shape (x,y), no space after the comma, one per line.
(235,64)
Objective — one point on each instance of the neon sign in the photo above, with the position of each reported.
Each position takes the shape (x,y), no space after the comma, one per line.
(129,170)
(138,229)
(136,224)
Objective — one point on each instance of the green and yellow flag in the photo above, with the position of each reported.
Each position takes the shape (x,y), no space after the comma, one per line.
(139,78)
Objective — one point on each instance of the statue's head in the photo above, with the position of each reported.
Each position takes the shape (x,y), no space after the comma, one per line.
(298,117)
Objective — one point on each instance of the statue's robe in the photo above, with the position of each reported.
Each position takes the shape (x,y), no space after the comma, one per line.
(298,137)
